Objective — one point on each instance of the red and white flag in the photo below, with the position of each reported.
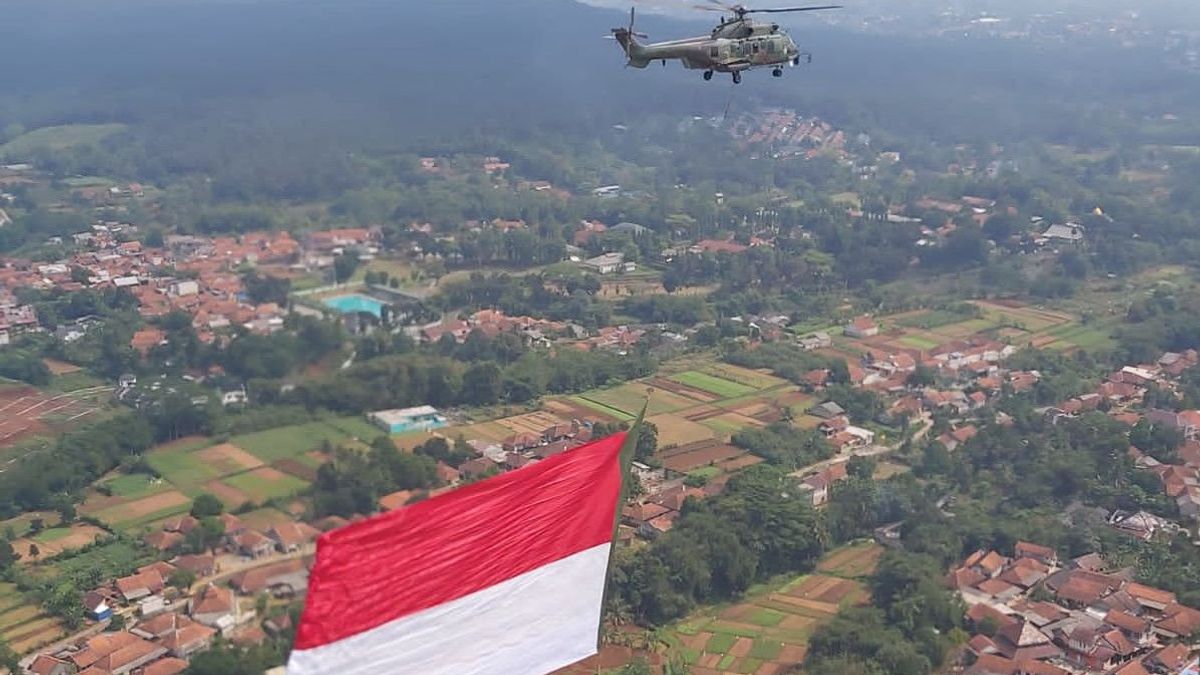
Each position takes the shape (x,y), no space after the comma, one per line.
(505,576)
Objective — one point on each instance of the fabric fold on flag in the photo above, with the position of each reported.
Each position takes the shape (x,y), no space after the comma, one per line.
(505,576)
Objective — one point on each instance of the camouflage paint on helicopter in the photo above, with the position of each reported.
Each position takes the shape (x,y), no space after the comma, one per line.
(737,44)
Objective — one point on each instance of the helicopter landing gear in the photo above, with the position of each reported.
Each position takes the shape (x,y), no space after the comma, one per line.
(707,75)
(778,72)
(737,77)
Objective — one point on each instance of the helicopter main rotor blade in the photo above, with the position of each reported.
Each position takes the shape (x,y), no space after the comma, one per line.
(776,10)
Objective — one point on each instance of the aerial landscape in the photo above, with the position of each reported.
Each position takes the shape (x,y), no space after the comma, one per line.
(898,302)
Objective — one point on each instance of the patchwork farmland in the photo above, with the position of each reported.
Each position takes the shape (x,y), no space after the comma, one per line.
(768,632)
(1006,321)
(251,468)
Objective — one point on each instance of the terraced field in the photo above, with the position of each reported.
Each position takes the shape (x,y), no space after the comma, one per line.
(768,632)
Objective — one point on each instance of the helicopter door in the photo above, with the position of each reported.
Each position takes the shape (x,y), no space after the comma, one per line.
(755,46)
(714,52)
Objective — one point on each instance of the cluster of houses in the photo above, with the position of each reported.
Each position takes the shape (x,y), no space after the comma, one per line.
(168,621)
(493,322)
(787,134)
(1032,614)
(197,275)
(15,318)
(1122,396)
(238,538)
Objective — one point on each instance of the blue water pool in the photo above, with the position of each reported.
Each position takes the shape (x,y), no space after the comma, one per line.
(349,304)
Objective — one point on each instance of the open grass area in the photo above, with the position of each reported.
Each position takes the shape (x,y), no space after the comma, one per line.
(274,444)
(356,426)
(706,472)
(136,485)
(266,483)
(712,384)
(57,138)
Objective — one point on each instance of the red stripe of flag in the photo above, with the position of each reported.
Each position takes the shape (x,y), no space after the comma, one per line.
(460,542)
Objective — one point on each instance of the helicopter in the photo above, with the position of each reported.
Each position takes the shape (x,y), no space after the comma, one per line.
(736,44)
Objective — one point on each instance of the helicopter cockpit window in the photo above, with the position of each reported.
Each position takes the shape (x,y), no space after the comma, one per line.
(755,47)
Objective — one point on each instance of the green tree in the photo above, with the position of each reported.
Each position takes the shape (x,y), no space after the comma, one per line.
(647,440)
(205,505)
(481,383)
(206,536)
(9,658)
(344,267)
(8,555)
(182,579)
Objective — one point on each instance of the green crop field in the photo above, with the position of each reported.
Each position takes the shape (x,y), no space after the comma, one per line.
(601,408)
(628,398)
(275,444)
(932,319)
(262,485)
(918,342)
(57,138)
(114,559)
(772,624)
(745,376)
(182,466)
(713,385)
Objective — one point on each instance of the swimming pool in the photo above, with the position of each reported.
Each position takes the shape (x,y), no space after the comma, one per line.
(349,304)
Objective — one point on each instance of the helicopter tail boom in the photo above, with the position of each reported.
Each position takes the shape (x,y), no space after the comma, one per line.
(628,39)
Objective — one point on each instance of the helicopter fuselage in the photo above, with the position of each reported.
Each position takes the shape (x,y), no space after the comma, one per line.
(725,51)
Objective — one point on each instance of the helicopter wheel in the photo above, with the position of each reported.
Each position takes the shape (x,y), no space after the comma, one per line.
(778,72)
(737,78)
(707,75)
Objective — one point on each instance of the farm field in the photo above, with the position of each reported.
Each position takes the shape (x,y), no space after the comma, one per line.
(676,430)
(768,631)
(133,514)
(275,444)
(26,412)
(54,540)
(23,625)
(602,408)
(265,483)
(751,378)
(628,398)
(712,384)
(113,559)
